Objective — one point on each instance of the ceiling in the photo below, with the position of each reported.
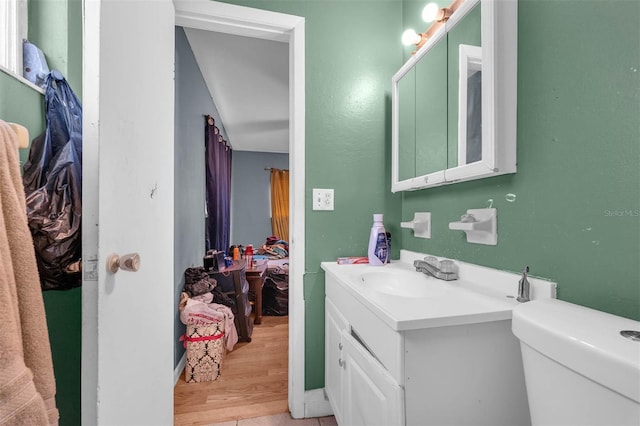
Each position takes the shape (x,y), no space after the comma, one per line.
(248,79)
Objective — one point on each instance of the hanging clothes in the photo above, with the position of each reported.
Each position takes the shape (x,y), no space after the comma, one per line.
(218,183)
(27,383)
(280,203)
(53,186)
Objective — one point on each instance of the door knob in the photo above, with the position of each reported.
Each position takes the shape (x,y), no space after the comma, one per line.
(128,262)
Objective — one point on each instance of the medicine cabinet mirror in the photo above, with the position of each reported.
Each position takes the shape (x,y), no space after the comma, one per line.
(454,101)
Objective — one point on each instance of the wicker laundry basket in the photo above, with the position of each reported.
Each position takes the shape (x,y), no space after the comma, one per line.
(205,345)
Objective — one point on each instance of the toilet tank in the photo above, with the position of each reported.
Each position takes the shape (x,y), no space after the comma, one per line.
(579,369)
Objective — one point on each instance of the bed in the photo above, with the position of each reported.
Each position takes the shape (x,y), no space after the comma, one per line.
(282,263)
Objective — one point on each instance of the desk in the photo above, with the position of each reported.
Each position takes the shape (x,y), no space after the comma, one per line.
(256,276)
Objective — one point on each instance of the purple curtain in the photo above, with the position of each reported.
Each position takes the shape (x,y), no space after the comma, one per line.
(218,187)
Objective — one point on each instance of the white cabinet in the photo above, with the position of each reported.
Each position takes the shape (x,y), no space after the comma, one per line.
(467,374)
(360,390)
(371,396)
(333,361)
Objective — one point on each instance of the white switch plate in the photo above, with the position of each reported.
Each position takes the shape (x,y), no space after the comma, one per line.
(322,199)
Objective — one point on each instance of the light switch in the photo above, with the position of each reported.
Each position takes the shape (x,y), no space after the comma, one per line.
(322,199)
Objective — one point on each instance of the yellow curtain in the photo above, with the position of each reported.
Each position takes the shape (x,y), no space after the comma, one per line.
(280,203)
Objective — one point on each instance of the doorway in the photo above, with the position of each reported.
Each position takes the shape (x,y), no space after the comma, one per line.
(229,19)
(128,198)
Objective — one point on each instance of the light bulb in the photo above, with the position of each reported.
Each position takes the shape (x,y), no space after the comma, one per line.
(430,12)
(410,37)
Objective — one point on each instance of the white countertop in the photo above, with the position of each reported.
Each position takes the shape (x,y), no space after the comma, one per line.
(480,294)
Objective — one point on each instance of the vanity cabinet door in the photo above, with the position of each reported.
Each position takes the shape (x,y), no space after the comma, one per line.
(371,396)
(334,362)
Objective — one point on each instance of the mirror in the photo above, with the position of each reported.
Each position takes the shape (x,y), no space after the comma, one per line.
(431,117)
(451,122)
(407,130)
(470,105)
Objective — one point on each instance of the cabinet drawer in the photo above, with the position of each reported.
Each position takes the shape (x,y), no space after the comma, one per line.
(385,344)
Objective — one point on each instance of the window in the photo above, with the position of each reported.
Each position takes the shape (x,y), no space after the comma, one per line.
(13,21)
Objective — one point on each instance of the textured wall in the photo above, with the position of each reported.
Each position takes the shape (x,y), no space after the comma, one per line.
(572,211)
(250,202)
(56,28)
(21,104)
(574,217)
(193,101)
(352,51)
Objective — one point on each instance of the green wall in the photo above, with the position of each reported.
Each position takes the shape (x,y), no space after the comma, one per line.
(572,211)
(575,214)
(56,27)
(64,319)
(19,103)
(352,51)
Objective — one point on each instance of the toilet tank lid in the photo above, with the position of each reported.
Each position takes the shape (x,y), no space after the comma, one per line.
(582,339)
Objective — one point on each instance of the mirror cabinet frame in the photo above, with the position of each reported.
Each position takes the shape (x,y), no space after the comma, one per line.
(499,30)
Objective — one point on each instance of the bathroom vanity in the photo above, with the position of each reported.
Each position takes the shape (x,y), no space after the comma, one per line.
(402,347)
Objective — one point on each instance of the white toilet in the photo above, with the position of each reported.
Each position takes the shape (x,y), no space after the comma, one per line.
(579,369)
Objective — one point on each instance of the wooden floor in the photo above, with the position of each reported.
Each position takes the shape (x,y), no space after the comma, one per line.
(253,382)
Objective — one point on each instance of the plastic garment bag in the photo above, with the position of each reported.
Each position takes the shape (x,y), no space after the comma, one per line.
(53,186)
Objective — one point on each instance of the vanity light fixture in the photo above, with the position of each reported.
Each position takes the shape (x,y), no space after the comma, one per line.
(430,13)
(410,37)
(443,14)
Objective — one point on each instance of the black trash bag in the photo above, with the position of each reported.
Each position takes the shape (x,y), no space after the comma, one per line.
(275,295)
(53,187)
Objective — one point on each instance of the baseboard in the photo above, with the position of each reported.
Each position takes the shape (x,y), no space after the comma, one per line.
(316,404)
(179,368)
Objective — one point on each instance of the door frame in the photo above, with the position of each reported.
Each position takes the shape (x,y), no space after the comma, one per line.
(249,22)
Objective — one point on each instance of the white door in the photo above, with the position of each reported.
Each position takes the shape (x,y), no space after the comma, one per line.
(128,92)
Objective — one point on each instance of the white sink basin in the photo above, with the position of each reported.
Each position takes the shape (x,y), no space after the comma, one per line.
(402,284)
(409,300)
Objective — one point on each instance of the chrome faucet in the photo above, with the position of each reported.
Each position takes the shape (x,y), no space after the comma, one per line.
(443,270)
(524,286)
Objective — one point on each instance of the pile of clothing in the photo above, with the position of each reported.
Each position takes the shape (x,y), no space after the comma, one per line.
(201,310)
(198,282)
(210,326)
(274,248)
